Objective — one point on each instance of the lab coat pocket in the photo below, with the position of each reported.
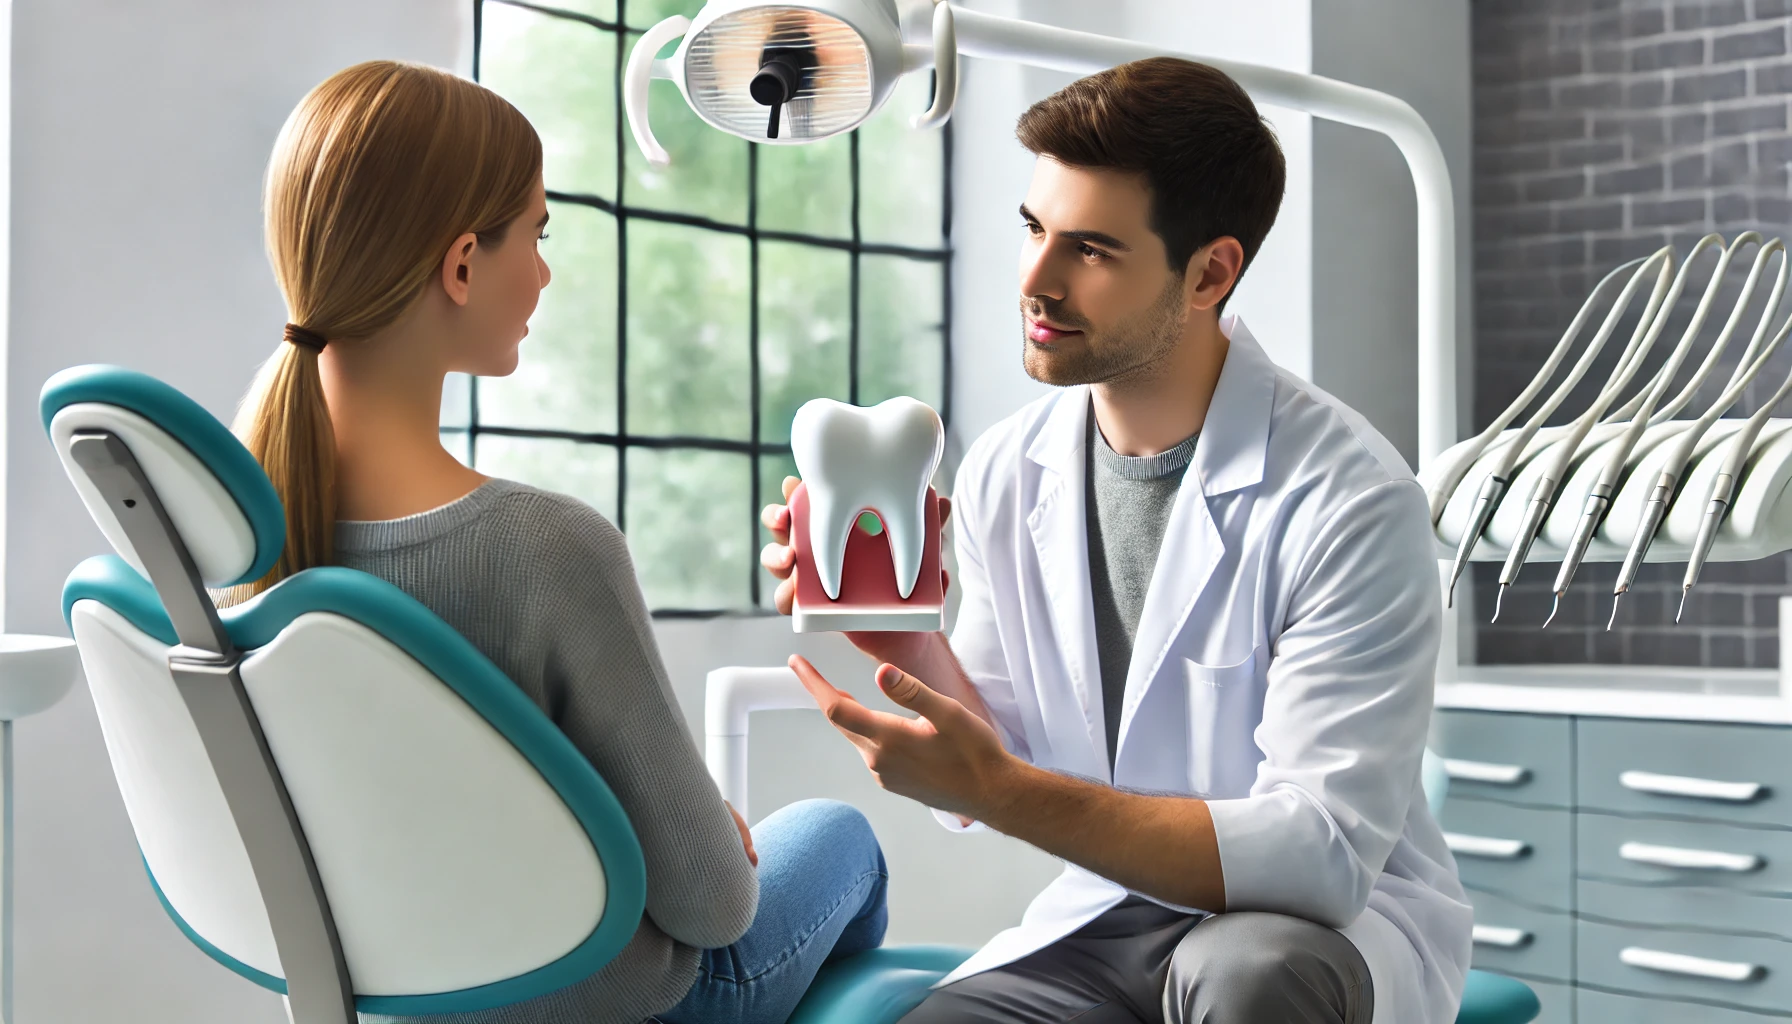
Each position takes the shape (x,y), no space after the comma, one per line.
(1225,705)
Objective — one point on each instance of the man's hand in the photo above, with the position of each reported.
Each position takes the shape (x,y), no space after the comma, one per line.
(746,835)
(948,758)
(779,559)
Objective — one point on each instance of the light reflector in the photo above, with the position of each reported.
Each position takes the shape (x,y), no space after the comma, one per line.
(832,64)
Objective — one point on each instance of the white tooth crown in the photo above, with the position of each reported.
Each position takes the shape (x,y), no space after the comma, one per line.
(854,460)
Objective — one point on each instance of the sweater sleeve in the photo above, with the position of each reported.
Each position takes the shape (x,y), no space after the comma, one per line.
(607,689)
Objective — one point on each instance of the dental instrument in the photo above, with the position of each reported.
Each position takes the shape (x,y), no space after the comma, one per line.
(1599,496)
(1754,358)
(1561,452)
(1493,486)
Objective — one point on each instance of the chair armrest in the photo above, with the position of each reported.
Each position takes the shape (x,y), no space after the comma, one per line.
(730,695)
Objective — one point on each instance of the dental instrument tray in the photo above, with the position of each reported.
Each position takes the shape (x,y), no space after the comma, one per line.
(1629,479)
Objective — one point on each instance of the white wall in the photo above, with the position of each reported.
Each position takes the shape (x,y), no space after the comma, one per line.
(141,134)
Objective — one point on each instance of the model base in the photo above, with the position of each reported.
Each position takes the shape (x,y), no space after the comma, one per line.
(896,620)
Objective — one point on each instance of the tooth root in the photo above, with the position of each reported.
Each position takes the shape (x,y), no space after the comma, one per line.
(829,529)
(907,535)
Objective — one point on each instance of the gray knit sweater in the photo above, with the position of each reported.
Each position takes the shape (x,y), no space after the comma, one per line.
(543,585)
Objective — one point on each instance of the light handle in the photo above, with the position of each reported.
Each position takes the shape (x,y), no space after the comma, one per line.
(945,69)
(642,68)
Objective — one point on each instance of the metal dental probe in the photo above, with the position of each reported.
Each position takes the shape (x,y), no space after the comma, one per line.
(1493,489)
(1561,452)
(1599,495)
(1681,449)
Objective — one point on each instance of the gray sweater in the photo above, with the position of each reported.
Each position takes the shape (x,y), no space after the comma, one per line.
(543,585)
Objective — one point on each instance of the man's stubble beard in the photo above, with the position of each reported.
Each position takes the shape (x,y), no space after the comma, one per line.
(1132,350)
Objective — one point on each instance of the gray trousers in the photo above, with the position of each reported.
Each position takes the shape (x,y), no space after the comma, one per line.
(1140,963)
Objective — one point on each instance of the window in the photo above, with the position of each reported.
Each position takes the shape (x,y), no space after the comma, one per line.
(694,309)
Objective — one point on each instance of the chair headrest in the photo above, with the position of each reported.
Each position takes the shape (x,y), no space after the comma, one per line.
(221,503)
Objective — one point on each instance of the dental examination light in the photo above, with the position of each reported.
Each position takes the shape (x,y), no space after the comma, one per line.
(1650,487)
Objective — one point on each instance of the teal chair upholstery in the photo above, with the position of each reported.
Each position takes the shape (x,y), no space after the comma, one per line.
(879,986)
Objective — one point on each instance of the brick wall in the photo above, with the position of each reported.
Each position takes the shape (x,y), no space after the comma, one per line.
(1603,130)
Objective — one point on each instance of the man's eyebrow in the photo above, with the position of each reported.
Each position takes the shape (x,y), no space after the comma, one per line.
(1102,239)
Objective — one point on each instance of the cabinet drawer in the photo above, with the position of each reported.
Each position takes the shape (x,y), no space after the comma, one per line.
(1744,972)
(1520,852)
(1599,1007)
(1739,773)
(1515,939)
(1684,906)
(1521,758)
(1662,852)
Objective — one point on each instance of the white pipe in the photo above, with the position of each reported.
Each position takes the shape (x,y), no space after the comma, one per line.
(730,695)
(984,35)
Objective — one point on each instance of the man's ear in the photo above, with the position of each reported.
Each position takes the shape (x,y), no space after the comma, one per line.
(457,268)
(1212,271)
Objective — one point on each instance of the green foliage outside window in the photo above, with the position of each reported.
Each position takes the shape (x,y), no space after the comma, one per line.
(782,272)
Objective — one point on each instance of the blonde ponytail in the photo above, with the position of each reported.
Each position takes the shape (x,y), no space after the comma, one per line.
(376,172)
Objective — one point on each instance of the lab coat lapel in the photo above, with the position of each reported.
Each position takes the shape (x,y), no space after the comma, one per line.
(1229,456)
(1059,527)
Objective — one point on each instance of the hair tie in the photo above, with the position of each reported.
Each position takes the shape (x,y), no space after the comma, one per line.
(296,335)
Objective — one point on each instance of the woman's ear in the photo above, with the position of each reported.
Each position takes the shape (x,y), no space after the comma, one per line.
(1212,271)
(457,268)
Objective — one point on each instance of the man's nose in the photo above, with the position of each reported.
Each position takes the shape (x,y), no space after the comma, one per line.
(1040,276)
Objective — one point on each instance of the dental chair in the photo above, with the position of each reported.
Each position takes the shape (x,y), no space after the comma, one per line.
(880,985)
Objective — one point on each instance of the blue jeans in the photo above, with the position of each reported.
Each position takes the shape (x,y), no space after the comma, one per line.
(821,897)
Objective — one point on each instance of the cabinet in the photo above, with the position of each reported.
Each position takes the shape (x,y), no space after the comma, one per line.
(1629,869)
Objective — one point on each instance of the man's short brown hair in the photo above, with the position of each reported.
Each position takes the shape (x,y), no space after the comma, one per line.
(1212,163)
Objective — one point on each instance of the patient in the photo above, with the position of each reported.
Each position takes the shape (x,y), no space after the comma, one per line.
(404,207)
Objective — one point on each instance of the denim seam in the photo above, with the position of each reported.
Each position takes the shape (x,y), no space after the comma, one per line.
(798,942)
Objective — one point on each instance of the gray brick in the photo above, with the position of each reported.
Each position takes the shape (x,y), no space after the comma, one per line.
(1496,192)
(1531,219)
(1730,164)
(1646,92)
(1726,650)
(1668,53)
(1587,154)
(1515,159)
(1773,152)
(1689,129)
(1651,647)
(1750,45)
(1627,180)
(1550,63)
(1644,22)
(1763,610)
(1774,212)
(1589,216)
(1596,95)
(1709,86)
(1732,208)
(1773,78)
(1772,8)
(1605,60)
(1543,188)
(1686,172)
(1712,607)
(1555,252)
(1709,15)
(1756,117)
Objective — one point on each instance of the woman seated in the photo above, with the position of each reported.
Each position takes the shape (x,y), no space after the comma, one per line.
(404,210)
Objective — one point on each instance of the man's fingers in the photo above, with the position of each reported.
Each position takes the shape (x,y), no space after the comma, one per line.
(846,713)
(784,598)
(776,518)
(778,559)
(915,695)
(790,483)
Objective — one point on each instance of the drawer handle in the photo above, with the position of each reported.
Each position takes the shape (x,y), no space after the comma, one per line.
(1691,966)
(1698,789)
(1504,938)
(1486,846)
(1691,860)
(1482,771)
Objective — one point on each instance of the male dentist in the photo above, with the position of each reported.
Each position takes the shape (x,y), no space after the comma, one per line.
(1194,653)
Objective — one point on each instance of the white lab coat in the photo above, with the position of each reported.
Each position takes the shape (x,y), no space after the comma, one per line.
(1283,667)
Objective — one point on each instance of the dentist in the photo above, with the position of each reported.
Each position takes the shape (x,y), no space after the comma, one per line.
(1200,612)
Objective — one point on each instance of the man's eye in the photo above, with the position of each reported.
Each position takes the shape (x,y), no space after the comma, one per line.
(1091,252)
(1034,229)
